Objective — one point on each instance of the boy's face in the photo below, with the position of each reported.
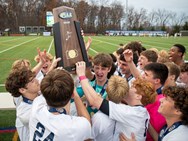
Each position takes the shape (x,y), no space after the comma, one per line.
(167,107)
(33,86)
(46,66)
(142,61)
(101,72)
(174,53)
(184,77)
(131,95)
(124,67)
(148,75)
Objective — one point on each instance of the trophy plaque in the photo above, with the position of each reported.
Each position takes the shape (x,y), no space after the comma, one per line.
(69,44)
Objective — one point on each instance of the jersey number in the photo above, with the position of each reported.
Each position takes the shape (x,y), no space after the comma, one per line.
(146,127)
(40,132)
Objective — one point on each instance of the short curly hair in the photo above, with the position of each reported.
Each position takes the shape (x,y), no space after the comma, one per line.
(135,46)
(180,97)
(184,67)
(17,79)
(146,89)
(21,63)
(117,88)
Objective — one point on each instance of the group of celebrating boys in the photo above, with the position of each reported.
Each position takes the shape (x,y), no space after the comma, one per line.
(133,94)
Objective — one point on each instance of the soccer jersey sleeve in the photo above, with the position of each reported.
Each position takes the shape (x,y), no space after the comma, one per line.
(124,113)
(102,127)
(82,128)
(23,112)
(104,107)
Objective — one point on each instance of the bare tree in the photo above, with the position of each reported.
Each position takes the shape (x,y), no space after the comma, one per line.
(130,18)
(96,16)
(139,18)
(117,13)
(82,10)
(162,17)
(92,19)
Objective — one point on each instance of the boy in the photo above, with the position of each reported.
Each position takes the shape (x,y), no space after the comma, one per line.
(184,74)
(50,119)
(22,83)
(102,126)
(126,116)
(101,65)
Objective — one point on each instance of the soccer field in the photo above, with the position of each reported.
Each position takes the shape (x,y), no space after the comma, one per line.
(13,48)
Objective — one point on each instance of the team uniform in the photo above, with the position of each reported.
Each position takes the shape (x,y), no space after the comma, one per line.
(129,119)
(23,110)
(39,76)
(178,134)
(156,119)
(101,90)
(102,127)
(44,125)
(130,79)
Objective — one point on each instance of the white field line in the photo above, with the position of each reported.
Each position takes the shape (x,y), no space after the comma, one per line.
(106,42)
(11,40)
(101,42)
(93,50)
(50,46)
(2,85)
(17,45)
(131,40)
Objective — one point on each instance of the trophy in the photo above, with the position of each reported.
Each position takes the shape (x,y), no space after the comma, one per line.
(69,44)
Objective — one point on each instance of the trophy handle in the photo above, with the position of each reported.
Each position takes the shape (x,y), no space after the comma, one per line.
(81,42)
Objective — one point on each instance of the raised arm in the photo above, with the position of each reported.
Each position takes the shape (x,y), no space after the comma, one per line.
(88,44)
(94,99)
(128,55)
(54,64)
(153,132)
(81,109)
(41,62)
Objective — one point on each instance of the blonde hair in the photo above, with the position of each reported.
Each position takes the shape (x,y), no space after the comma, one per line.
(48,57)
(117,88)
(21,63)
(146,89)
(154,49)
(163,56)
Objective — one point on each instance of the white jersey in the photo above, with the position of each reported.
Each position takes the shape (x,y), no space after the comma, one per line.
(47,126)
(130,119)
(178,134)
(23,111)
(39,76)
(102,127)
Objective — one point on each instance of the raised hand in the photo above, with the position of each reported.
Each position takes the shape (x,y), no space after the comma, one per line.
(128,55)
(88,44)
(80,68)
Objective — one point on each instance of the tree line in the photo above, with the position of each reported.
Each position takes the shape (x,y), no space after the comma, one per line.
(95,16)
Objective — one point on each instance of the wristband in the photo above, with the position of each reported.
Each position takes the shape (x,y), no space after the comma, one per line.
(82,77)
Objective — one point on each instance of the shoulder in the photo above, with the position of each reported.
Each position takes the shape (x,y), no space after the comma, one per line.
(80,121)
(180,134)
(99,118)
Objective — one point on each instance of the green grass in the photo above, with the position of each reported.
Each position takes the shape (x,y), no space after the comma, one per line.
(13,48)
(7,119)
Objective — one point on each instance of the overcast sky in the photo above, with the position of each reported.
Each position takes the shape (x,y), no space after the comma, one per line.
(178,6)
